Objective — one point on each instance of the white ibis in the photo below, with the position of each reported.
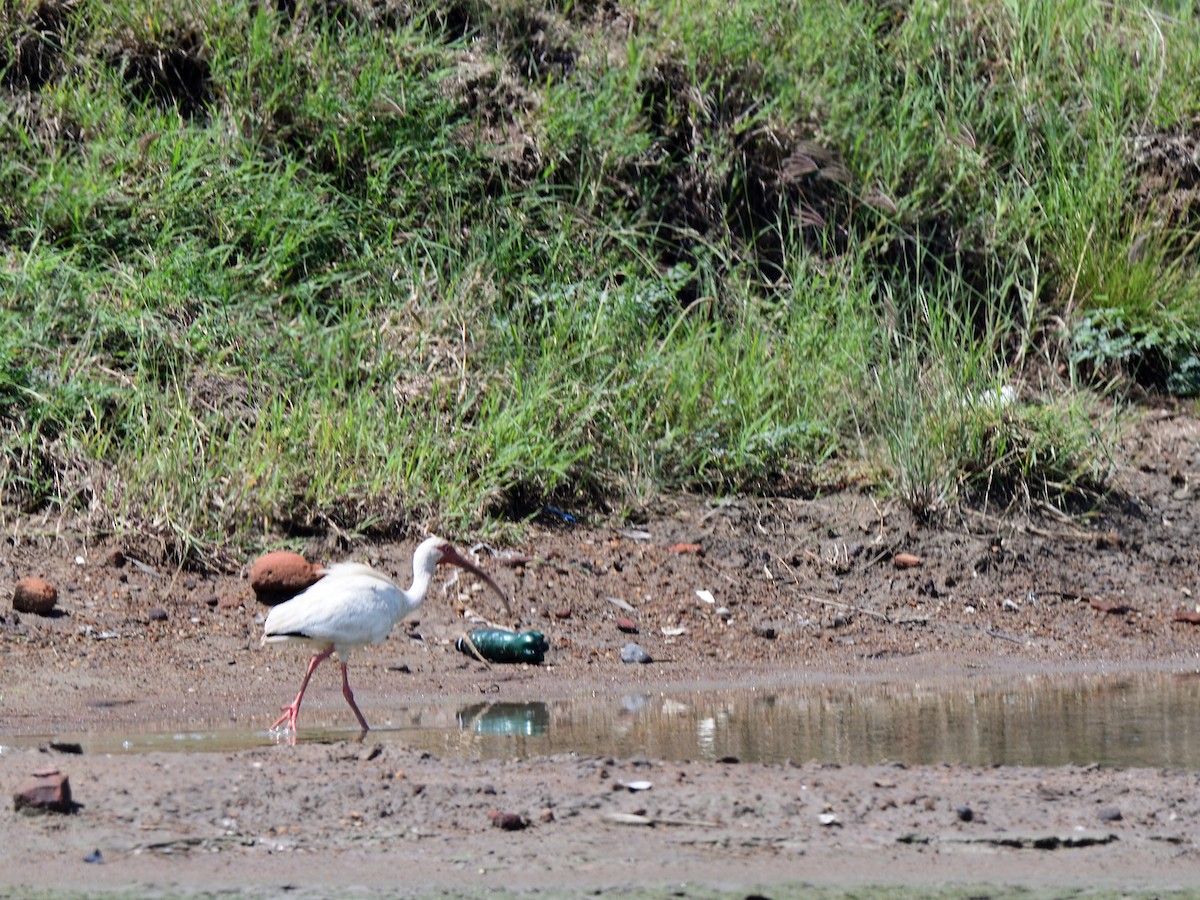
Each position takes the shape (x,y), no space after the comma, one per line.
(351,606)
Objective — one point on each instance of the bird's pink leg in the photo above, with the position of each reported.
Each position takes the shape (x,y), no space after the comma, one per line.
(349,695)
(292,710)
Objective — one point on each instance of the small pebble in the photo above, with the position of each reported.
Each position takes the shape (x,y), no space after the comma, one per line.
(1109,814)
(94,857)
(158,614)
(507,821)
(964,813)
(633,653)
(627,625)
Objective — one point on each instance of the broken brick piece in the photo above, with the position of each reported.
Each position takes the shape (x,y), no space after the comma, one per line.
(46,790)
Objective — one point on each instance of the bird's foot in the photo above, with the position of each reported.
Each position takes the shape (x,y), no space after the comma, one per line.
(286,722)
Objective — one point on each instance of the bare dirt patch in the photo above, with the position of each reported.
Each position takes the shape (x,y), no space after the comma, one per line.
(801,588)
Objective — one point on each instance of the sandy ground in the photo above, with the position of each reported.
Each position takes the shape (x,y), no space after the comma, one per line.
(804,592)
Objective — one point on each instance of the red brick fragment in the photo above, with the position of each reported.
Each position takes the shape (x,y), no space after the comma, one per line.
(46,790)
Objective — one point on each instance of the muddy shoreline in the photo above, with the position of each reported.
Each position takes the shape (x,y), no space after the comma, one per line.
(806,593)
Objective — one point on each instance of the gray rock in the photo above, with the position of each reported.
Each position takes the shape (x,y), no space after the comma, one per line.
(633,653)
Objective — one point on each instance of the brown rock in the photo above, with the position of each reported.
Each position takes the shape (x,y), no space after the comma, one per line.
(507,821)
(627,625)
(280,575)
(1192,618)
(686,548)
(906,561)
(47,790)
(33,595)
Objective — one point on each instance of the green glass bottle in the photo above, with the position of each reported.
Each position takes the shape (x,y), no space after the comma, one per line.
(500,646)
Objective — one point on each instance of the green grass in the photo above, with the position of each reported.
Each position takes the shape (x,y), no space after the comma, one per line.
(388,267)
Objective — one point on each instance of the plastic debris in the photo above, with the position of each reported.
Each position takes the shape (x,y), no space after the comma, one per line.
(500,646)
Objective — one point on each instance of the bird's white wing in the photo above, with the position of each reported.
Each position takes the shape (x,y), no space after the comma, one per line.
(353,605)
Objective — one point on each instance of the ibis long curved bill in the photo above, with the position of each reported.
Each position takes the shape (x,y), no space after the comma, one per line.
(452,557)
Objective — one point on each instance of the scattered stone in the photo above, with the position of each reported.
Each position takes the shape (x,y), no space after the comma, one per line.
(627,625)
(829,820)
(72,747)
(158,614)
(619,603)
(906,561)
(633,653)
(562,614)
(724,613)
(687,548)
(766,631)
(507,821)
(47,790)
(280,575)
(1192,618)
(95,857)
(634,534)
(1109,814)
(964,813)
(33,595)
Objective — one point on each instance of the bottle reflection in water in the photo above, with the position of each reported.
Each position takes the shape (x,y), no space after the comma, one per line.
(508,719)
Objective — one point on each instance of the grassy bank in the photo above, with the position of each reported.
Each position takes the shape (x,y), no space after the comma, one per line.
(276,268)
